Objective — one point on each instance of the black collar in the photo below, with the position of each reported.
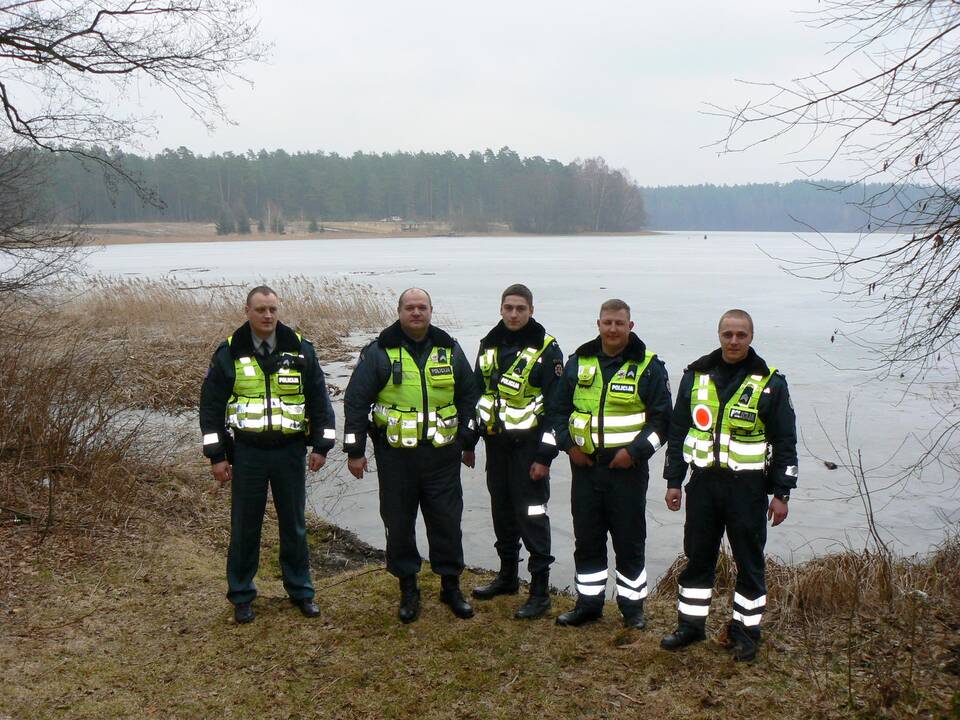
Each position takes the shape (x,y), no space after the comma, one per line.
(530,335)
(394,337)
(242,343)
(753,363)
(635,349)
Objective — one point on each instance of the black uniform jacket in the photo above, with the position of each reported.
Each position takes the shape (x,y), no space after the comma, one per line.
(218,387)
(653,388)
(374,371)
(775,410)
(546,372)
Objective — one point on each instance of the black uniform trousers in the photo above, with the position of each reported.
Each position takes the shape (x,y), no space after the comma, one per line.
(427,477)
(719,500)
(284,470)
(604,501)
(517,503)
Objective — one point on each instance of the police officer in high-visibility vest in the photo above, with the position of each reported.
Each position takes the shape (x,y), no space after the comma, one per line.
(610,411)
(734,425)
(517,366)
(265,385)
(413,391)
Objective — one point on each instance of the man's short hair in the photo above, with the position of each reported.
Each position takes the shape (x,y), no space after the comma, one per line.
(519,290)
(614,305)
(736,313)
(411,289)
(262,290)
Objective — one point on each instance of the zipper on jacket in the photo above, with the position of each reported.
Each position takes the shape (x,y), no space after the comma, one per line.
(423,390)
(269,407)
(603,396)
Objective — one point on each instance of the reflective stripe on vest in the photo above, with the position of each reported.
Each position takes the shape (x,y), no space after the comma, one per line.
(254,393)
(741,442)
(512,403)
(607,415)
(420,406)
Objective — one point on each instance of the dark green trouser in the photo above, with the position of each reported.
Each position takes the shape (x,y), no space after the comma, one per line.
(284,468)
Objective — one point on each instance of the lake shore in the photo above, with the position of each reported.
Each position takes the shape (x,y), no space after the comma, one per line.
(196,232)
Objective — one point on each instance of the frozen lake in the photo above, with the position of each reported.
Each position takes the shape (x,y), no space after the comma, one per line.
(677,285)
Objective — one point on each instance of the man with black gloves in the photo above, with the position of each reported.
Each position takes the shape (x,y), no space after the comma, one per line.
(417,383)
(734,424)
(265,384)
(610,410)
(516,368)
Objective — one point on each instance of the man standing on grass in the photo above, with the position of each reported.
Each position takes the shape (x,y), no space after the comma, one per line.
(734,424)
(516,367)
(610,411)
(265,385)
(416,382)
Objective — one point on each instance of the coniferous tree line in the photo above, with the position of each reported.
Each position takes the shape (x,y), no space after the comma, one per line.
(479,191)
(470,192)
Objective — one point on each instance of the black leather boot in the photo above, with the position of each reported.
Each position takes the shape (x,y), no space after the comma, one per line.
(685,634)
(451,596)
(745,643)
(538,602)
(505,583)
(409,599)
(582,613)
(633,616)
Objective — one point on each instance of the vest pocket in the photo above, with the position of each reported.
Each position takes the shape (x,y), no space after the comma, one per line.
(402,428)
(581,431)
(447,424)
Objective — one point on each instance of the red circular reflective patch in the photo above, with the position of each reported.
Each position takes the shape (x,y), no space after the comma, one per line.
(702,417)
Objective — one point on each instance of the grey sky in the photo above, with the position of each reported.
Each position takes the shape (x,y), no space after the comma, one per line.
(627,81)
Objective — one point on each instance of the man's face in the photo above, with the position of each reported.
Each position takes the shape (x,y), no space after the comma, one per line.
(262,312)
(515,312)
(735,338)
(614,327)
(415,313)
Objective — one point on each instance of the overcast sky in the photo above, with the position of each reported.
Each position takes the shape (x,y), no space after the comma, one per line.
(629,81)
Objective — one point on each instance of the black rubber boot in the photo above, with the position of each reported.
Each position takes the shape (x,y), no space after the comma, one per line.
(450,595)
(409,599)
(505,583)
(538,602)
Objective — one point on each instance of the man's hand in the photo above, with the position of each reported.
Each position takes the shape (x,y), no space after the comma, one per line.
(357,466)
(469,458)
(538,471)
(222,472)
(622,460)
(316,461)
(579,458)
(673,498)
(777,511)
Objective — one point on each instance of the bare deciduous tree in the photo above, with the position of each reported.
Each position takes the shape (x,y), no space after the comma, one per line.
(890,103)
(898,120)
(66,68)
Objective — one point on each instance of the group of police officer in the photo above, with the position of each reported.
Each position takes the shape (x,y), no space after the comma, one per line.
(414,394)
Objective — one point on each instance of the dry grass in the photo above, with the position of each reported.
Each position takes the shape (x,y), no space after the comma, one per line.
(81,451)
(161,334)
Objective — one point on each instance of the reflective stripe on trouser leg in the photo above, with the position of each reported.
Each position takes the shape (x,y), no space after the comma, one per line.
(693,604)
(592,585)
(749,612)
(634,589)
